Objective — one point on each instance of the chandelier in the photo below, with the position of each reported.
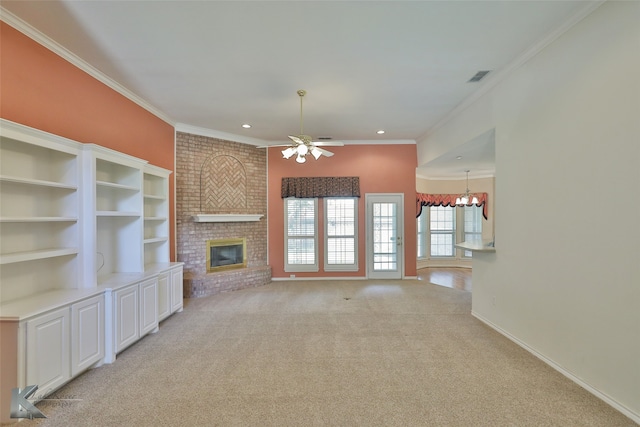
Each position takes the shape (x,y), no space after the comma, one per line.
(466,198)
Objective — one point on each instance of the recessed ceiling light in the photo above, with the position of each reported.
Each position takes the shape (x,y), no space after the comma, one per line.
(380,132)
(459,158)
(246,125)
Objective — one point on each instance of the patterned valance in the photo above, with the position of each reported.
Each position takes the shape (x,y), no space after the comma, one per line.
(303,188)
(448,200)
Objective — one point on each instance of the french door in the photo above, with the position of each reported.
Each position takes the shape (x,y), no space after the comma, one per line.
(385,248)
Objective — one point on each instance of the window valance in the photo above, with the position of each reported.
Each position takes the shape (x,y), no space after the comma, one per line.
(448,200)
(310,187)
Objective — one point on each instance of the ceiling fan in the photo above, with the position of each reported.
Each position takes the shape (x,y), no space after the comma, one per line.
(303,144)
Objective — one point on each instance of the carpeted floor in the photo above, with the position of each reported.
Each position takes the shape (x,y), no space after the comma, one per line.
(327,353)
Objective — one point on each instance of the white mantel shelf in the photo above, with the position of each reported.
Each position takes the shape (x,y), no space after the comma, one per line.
(227,217)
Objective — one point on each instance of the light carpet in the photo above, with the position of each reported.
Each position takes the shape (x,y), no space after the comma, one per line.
(327,353)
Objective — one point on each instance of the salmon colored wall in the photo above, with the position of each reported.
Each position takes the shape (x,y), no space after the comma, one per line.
(381,168)
(42,90)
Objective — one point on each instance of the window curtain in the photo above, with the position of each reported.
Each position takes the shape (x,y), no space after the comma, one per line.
(448,200)
(307,188)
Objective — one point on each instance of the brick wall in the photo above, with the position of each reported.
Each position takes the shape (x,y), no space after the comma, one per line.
(199,161)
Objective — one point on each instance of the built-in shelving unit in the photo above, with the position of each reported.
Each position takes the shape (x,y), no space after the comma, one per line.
(156,220)
(39,213)
(80,226)
(116,205)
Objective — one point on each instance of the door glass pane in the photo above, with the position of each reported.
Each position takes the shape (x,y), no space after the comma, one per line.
(385,245)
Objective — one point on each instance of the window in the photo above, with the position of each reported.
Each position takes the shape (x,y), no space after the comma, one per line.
(301,243)
(440,227)
(472,226)
(442,222)
(341,239)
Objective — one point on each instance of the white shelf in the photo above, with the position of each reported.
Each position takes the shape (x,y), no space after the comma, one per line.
(36,182)
(116,186)
(154,197)
(227,217)
(117,214)
(11,258)
(156,240)
(39,219)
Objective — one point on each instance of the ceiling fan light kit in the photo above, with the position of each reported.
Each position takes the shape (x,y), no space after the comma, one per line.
(303,144)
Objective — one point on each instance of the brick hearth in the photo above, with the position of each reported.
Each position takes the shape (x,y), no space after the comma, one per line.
(214,176)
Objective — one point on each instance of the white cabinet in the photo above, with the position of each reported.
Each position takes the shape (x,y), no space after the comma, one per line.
(176,289)
(135,312)
(48,350)
(87,333)
(126,317)
(164,296)
(169,292)
(148,306)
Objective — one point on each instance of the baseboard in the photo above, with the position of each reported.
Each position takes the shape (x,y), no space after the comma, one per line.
(607,399)
(297,279)
(294,279)
(451,263)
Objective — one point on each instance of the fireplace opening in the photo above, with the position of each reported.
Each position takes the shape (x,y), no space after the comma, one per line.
(226,254)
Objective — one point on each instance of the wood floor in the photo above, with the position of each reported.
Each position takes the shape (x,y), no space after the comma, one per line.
(457,278)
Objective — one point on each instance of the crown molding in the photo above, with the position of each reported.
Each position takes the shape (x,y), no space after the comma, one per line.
(212,133)
(380,142)
(454,178)
(493,80)
(40,38)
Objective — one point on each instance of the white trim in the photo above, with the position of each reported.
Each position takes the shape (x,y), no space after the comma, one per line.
(75,60)
(317,278)
(293,279)
(607,399)
(444,263)
(379,142)
(494,79)
(455,178)
(216,134)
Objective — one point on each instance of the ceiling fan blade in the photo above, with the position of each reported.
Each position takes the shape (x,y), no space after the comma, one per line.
(324,152)
(275,145)
(328,143)
(296,139)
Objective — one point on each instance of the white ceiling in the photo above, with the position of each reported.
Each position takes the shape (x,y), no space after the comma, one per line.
(401,66)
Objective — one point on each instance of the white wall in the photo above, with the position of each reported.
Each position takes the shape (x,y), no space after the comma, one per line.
(565,278)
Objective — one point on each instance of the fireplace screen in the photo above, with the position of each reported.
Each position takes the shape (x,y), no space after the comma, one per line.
(226,254)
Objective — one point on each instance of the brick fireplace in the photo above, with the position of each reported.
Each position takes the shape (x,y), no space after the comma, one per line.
(222,182)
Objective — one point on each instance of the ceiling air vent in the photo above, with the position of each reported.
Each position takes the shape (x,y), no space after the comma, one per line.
(478,76)
(324,138)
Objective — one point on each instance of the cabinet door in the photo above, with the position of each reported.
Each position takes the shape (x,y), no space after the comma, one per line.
(176,290)
(148,306)
(87,332)
(164,296)
(126,308)
(48,364)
